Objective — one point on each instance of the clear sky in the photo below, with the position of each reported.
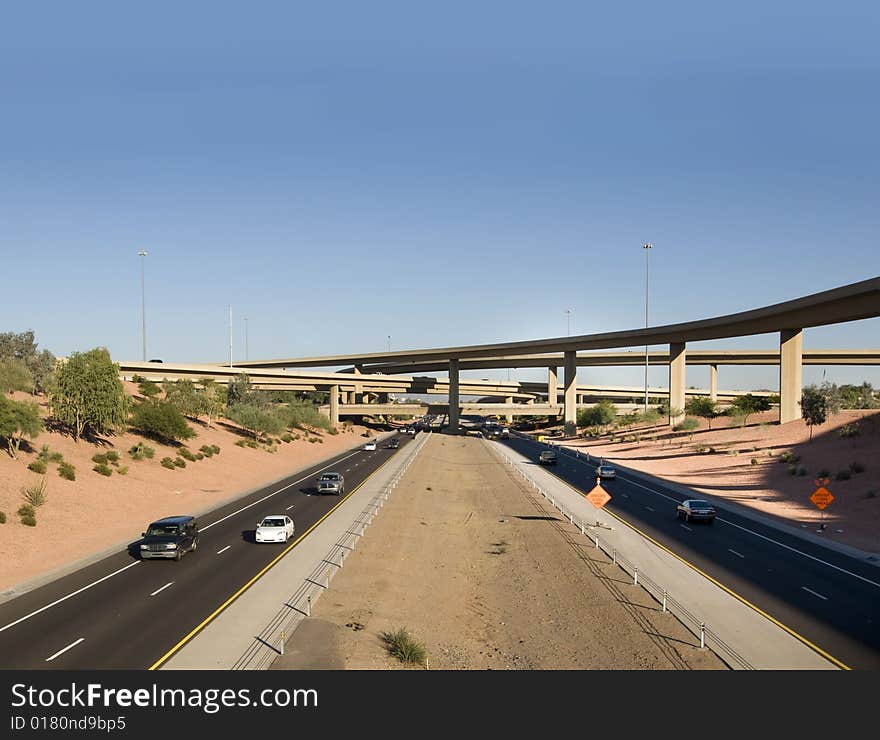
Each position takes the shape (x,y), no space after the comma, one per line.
(443,173)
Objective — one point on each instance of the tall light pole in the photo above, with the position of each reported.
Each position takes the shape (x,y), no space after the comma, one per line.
(389,342)
(568,312)
(230,335)
(647,249)
(143,253)
(245,339)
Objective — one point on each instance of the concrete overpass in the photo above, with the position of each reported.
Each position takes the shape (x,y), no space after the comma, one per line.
(847,303)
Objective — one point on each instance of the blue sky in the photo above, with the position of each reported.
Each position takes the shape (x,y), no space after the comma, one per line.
(445,174)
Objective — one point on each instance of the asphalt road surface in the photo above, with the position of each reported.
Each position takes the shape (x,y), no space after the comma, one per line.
(825,596)
(122,612)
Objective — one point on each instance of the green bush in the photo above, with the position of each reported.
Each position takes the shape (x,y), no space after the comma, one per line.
(38,466)
(26,510)
(843,475)
(56,457)
(755,461)
(789,457)
(849,430)
(100,458)
(113,457)
(67,471)
(29,521)
(403,646)
(2,517)
(103,469)
(141,451)
(167,462)
(179,463)
(35,494)
(286,437)
(206,450)
(216,449)
(186,454)
(241,443)
(252,443)
(44,452)
(332,430)
(123,470)
(200,456)
(856,467)
(161,420)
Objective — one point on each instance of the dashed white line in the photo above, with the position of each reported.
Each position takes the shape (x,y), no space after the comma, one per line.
(814,593)
(64,650)
(650,508)
(224,549)
(64,598)
(736,553)
(159,590)
(685,526)
(289,507)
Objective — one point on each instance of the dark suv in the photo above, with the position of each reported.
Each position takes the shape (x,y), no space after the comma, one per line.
(171,537)
(547,457)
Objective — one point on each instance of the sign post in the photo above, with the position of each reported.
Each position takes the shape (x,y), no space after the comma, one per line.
(821,498)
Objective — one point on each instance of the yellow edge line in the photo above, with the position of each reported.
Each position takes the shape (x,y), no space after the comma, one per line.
(262,572)
(745,601)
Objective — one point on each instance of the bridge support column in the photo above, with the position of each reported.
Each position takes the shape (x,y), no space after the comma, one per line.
(358,388)
(383,397)
(713,382)
(509,415)
(570,368)
(552,386)
(334,404)
(676,381)
(791,348)
(453,397)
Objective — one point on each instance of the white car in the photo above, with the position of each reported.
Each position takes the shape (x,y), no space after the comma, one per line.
(371,445)
(274,528)
(606,471)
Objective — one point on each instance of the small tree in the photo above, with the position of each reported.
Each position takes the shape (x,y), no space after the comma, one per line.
(649,417)
(213,399)
(701,406)
(748,404)
(161,420)
(149,388)
(23,347)
(600,415)
(238,390)
(814,407)
(687,425)
(88,395)
(255,419)
(18,419)
(15,376)
(183,395)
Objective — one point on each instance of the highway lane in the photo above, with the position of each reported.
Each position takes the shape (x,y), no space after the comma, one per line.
(827,597)
(122,612)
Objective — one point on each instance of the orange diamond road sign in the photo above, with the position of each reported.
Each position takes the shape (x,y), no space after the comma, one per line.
(821,496)
(598,497)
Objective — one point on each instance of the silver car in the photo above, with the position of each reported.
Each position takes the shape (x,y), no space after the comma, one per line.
(331,483)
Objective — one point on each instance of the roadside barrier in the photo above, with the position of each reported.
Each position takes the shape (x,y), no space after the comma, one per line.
(269,643)
(695,625)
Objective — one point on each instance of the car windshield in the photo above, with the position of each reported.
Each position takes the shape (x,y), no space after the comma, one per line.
(700,505)
(163,530)
(272,523)
(330,476)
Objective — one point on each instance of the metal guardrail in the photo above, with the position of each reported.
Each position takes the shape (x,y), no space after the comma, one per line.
(299,604)
(694,624)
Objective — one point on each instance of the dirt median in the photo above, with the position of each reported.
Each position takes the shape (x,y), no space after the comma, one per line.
(487,576)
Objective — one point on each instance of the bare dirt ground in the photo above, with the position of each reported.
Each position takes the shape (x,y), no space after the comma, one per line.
(471,563)
(720,463)
(94,512)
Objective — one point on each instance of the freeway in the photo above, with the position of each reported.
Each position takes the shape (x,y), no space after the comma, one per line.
(824,595)
(122,612)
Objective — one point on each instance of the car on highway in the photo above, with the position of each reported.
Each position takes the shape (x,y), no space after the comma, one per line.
(696,510)
(504,433)
(331,483)
(371,445)
(548,457)
(274,528)
(606,471)
(394,443)
(171,537)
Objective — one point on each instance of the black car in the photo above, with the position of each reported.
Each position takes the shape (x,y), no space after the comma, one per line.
(171,537)
(394,444)
(696,510)
(548,457)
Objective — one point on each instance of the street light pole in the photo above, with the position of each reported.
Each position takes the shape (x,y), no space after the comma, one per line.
(568,312)
(389,342)
(647,249)
(143,253)
(245,339)
(230,335)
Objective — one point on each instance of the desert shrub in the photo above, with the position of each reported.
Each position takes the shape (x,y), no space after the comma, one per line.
(754,461)
(856,467)
(206,450)
(141,451)
(401,645)
(56,457)
(216,449)
(790,458)
(2,517)
(123,470)
(112,457)
(824,473)
(241,443)
(26,510)
(271,448)
(701,449)
(44,452)
(67,471)
(38,466)
(161,420)
(332,430)
(186,454)
(29,521)
(320,440)
(792,469)
(313,439)
(199,456)
(849,430)
(843,475)
(733,453)
(35,494)
(178,463)
(103,469)
(252,443)
(100,458)
(167,462)
(286,437)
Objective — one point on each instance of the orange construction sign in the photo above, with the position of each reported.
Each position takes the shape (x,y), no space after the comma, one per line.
(598,497)
(821,496)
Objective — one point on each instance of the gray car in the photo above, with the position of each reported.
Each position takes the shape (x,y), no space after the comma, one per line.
(331,483)
(696,510)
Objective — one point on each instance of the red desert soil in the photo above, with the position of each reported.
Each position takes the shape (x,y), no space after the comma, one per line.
(729,474)
(86,516)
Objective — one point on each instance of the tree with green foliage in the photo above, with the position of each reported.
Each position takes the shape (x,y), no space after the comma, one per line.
(256,419)
(858,396)
(748,404)
(15,376)
(649,417)
(213,398)
(149,388)
(701,406)
(239,390)
(160,420)
(600,415)
(88,395)
(302,414)
(185,397)
(23,347)
(18,419)
(814,407)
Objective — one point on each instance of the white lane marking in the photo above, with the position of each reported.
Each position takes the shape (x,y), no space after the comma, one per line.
(625,495)
(736,553)
(769,539)
(224,549)
(289,507)
(159,590)
(814,593)
(64,598)
(650,509)
(289,485)
(685,526)
(64,650)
